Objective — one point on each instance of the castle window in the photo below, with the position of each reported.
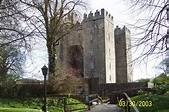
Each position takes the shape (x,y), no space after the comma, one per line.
(110,78)
(91,36)
(109,36)
(92,65)
(110,65)
(109,51)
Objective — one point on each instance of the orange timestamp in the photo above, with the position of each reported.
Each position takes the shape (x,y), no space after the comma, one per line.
(123,103)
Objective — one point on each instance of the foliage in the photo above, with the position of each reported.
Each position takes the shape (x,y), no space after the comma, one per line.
(144,80)
(29,90)
(34,104)
(65,82)
(159,101)
(161,80)
(7,85)
(76,106)
(159,96)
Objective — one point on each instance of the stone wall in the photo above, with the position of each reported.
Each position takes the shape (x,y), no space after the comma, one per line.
(95,36)
(106,89)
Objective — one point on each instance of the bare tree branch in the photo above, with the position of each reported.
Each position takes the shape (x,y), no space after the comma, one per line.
(155,38)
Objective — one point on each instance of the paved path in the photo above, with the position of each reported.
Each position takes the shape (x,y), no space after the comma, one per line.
(106,108)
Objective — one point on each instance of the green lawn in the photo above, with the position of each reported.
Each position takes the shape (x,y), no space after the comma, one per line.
(159,97)
(18,110)
(35,104)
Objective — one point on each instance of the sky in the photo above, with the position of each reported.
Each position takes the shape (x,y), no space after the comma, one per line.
(122,16)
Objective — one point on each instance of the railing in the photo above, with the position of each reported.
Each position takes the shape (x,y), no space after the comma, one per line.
(93,98)
(89,99)
(128,104)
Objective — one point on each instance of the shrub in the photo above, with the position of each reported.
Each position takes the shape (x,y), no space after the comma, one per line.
(7,85)
(30,90)
(144,80)
(65,82)
(159,96)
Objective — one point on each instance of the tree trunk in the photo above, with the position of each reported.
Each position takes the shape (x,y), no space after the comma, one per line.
(52,59)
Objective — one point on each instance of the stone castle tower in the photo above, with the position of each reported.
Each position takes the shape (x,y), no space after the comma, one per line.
(124,72)
(91,48)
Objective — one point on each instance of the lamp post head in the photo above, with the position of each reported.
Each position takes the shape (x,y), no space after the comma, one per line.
(44,70)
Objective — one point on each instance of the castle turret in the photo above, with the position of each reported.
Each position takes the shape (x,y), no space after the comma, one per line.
(124,72)
(100,48)
(92,46)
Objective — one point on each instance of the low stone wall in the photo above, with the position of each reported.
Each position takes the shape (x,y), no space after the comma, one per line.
(106,89)
(117,95)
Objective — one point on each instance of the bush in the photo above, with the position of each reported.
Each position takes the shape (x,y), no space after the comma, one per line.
(65,82)
(144,80)
(30,90)
(159,96)
(161,80)
(7,85)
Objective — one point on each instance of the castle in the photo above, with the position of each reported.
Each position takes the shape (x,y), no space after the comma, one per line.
(96,49)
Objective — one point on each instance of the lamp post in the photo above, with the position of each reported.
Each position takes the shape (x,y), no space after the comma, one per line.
(44,71)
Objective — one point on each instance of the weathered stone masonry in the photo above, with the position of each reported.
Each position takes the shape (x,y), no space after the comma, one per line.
(93,48)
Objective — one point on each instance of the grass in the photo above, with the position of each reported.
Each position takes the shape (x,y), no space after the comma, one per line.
(159,96)
(160,103)
(155,101)
(35,104)
(18,110)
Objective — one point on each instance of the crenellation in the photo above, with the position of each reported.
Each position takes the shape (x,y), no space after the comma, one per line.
(73,17)
(84,16)
(98,15)
(106,15)
(99,44)
(90,15)
(118,30)
(123,30)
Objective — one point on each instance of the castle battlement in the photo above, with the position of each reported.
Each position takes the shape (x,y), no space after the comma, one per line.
(73,17)
(123,30)
(98,15)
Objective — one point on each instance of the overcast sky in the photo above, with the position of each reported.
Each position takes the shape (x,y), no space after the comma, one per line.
(122,16)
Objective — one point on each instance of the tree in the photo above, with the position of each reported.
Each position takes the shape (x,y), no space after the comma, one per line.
(11,40)
(164,65)
(11,25)
(50,21)
(154,28)
(11,60)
